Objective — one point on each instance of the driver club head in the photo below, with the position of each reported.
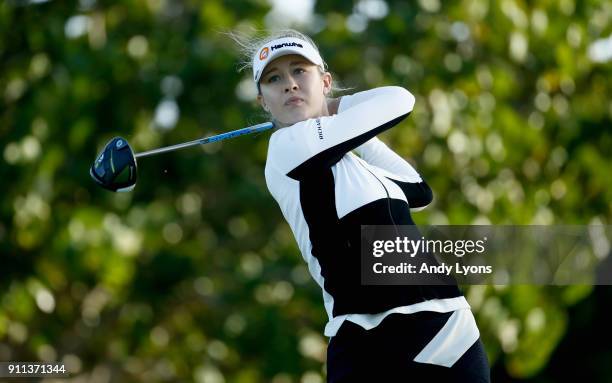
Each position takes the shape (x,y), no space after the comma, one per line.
(115,167)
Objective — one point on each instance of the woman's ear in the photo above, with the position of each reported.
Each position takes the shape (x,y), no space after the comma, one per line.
(327,83)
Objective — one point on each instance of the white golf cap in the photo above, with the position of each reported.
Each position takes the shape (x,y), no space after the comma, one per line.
(282,47)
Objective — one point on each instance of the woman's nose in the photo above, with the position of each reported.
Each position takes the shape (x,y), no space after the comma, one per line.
(291,84)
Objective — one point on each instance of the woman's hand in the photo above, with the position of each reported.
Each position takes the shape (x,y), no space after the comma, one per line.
(332,105)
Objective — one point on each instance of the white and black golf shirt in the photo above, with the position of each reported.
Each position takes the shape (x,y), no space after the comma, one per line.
(326,192)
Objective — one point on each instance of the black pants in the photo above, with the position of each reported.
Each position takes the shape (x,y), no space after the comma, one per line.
(386,352)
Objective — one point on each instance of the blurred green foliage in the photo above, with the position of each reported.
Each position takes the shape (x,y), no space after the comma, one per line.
(195,275)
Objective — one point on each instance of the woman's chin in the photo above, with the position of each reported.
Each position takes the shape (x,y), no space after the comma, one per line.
(298,117)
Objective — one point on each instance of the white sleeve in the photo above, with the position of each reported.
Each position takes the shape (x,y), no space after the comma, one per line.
(376,153)
(417,192)
(348,101)
(311,145)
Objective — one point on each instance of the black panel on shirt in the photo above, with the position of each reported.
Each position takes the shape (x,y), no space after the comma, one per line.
(336,245)
(418,194)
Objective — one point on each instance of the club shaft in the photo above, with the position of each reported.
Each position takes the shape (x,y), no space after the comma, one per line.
(201,141)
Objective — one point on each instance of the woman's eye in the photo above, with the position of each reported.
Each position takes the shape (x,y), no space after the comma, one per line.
(273,78)
(299,70)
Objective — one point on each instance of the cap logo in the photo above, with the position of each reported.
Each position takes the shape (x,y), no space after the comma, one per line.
(294,44)
(264,53)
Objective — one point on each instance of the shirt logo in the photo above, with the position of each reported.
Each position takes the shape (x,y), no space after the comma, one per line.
(264,53)
(319,129)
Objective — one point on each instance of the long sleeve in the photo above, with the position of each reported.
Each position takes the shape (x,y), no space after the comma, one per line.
(376,153)
(309,146)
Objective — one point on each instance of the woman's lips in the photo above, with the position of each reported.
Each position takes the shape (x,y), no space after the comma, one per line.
(294,101)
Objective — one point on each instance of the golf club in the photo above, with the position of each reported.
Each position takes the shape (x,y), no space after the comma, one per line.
(115,167)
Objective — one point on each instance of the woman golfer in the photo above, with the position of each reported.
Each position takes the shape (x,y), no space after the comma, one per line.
(330,174)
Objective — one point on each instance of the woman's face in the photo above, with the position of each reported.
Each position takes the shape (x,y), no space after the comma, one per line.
(293,90)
